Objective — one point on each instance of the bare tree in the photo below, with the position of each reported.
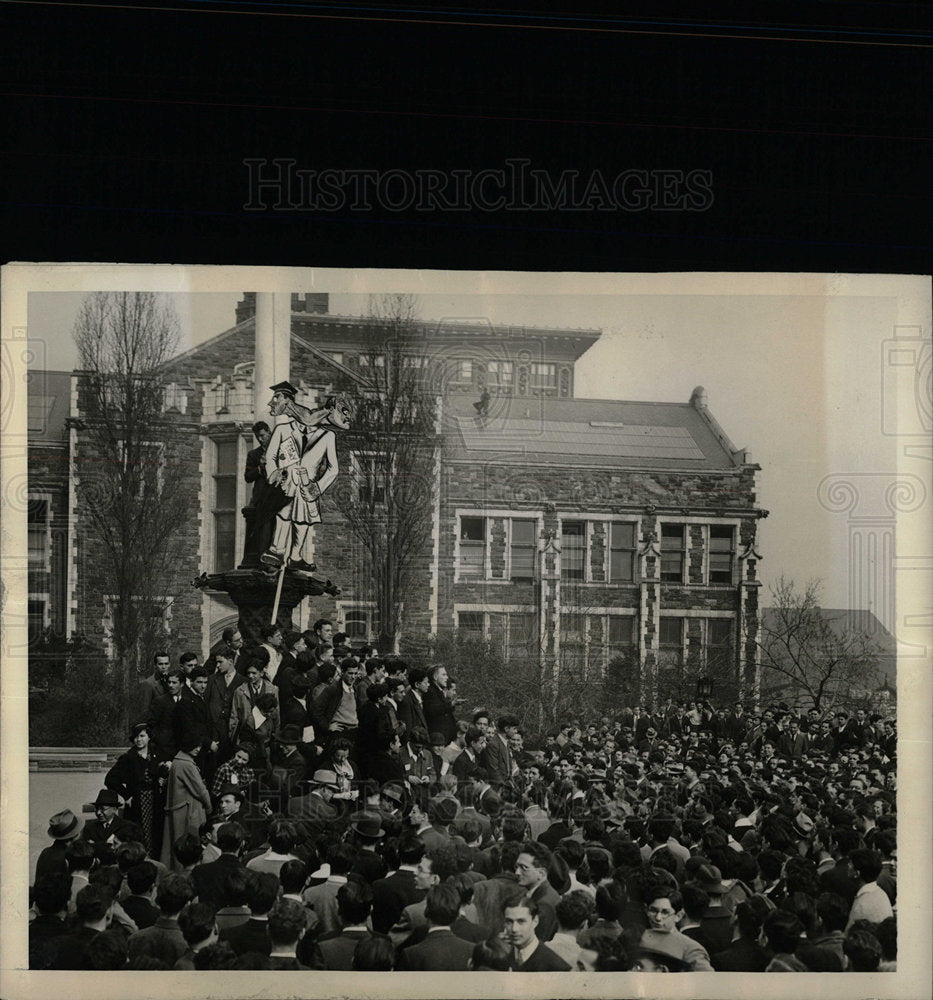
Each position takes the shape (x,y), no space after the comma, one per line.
(388,498)
(129,489)
(806,655)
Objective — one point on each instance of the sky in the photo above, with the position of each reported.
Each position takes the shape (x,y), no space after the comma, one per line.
(795,368)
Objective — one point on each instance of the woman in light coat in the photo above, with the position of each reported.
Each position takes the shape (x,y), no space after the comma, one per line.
(187,803)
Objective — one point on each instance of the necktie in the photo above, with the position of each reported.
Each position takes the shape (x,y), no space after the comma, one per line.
(516,958)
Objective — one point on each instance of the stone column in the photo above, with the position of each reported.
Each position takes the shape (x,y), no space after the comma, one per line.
(273,348)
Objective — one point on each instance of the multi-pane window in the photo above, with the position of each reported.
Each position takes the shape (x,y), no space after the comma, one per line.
(671,642)
(370,480)
(472,546)
(673,542)
(573,642)
(523,549)
(37,513)
(471,623)
(225,485)
(463,371)
(335,356)
(721,550)
(620,635)
(543,376)
(372,360)
(573,550)
(622,552)
(359,622)
(500,372)
(522,637)
(719,642)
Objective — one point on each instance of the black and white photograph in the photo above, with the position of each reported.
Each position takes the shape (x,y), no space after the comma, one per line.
(465,622)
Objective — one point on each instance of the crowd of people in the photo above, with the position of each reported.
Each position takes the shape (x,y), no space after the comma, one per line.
(304,804)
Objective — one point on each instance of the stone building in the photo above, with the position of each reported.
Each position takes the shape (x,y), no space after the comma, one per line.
(580,529)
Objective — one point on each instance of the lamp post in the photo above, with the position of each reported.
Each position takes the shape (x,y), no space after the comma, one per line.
(704,687)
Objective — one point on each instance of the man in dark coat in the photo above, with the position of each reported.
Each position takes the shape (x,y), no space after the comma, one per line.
(64,827)
(100,830)
(262,890)
(528,953)
(93,910)
(411,707)
(354,904)
(50,898)
(468,764)
(152,687)
(221,685)
(392,894)
(440,950)
(162,716)
(210,879)
(497,756)
(193,722)
(438,711)
(266,500)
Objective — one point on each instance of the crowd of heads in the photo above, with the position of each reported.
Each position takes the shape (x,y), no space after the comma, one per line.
(687,838)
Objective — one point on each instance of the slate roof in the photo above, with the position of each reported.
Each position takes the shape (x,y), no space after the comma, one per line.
(598,432)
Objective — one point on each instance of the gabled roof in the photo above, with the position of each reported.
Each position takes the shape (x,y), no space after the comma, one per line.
(598,432)
(855,621)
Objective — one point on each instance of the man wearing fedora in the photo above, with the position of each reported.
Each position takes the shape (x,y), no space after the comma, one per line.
(63,828)
(315,805)
(100,831)
(366,832)
(288,765)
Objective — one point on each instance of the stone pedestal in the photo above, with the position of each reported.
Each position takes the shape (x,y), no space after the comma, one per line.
(253,592)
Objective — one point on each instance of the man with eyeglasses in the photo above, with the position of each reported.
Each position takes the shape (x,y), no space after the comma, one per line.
(665,908)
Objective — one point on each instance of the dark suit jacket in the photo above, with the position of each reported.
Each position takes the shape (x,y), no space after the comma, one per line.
(547,898)
(542,959)
(193,722)
(464,769)
(96,833)
(141,911)
(209,879)
(411,712)
(251,936)
(390,896)
(439,714)
(162,716)
(440,951)
(150,688)
(52,859)
(741,956)
(219,698)
(70,949)
(497,759)
(44,934)
(336,953)
(328,701)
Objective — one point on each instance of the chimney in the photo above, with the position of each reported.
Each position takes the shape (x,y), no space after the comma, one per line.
(310,302)
(698,398)
(246,307)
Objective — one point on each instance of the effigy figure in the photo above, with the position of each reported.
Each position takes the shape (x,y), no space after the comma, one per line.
(301,460)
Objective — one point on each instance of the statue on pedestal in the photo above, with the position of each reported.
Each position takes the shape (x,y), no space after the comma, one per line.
(301,460)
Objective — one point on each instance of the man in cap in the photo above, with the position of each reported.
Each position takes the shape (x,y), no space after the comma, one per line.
(301,459)
(64,827)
